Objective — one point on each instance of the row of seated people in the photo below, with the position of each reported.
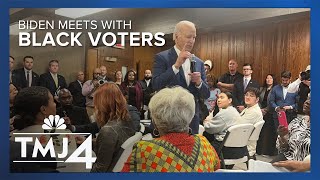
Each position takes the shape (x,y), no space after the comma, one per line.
(115,125)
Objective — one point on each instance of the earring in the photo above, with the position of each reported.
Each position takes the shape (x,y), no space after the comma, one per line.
(155,132)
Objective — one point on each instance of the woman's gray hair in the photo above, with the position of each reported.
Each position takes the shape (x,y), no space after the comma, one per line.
(172,109)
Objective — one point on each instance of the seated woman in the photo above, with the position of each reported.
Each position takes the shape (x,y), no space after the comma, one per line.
(176,150)
(33,105)
(216,126)
(116,126)
(293,142)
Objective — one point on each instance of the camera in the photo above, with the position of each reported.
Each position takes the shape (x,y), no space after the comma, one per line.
(101,80)
(305,75)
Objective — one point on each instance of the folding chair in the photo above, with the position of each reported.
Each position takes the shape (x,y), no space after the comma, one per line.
(256,133)
(201,129)
(236,136)
(127,149)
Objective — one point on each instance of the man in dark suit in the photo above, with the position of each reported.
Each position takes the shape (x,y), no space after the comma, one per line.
(25,77)
(241,85)
(147,89)
(52,80)
(75,88)
(281,99)
(77,115)
(173,67)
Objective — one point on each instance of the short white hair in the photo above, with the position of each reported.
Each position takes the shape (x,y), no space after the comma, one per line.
(178,26)
(172,109)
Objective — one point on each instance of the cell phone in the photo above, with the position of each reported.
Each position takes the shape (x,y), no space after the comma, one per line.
(282,118)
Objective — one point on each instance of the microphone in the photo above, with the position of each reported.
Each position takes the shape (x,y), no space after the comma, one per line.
(192,63)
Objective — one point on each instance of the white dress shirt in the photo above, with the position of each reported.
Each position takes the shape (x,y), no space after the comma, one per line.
(185,67)
(148,82)
(285,90)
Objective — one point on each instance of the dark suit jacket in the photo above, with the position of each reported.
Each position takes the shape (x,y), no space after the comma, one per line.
(163,76)
(76,91)
(77,115)
(20,81)
(276,99)
(238,91)
(47,81)
(147,91)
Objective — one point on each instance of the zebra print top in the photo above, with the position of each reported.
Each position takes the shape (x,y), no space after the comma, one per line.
(299,139)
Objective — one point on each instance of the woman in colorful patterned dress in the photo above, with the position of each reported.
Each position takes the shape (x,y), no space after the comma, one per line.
(176,150)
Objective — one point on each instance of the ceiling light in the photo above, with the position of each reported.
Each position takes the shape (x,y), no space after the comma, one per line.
(78,12)
(14,29)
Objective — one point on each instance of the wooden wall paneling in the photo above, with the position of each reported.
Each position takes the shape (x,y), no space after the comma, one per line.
(197,46)
(217,44)
(284,31)
(240,38)
(257,44)
(204,47)
(91,62)
(224,52)
(281,52)
(271,48)
(145,57)
(266,50)
(209,51)
(232,47)
(124,58)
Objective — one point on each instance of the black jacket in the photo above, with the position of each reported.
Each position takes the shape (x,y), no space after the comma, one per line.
(76,91)
(47,81)
(20,81)
(147,91)
(77,115)
(238,91)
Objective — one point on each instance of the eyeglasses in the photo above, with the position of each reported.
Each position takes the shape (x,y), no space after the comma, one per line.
(246,69)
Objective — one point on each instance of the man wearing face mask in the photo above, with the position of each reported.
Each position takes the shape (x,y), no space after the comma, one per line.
(76,115)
